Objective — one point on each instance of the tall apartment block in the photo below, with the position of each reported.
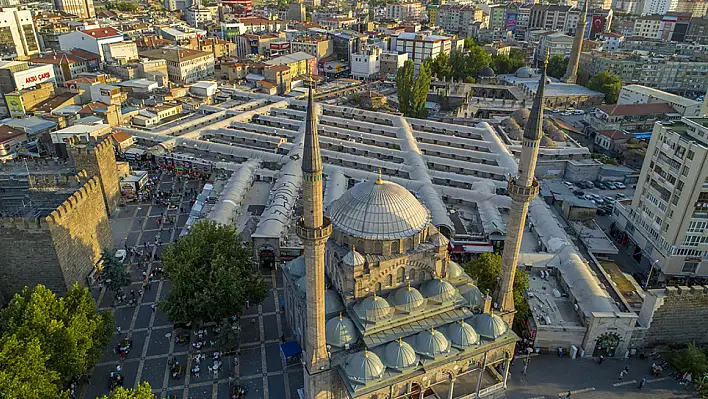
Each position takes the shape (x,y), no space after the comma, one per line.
(668,216)
(80,8)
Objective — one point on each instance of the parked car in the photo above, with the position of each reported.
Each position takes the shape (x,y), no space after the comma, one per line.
(569,184)
(620,196)
(609,200)
(600,185)
(610,185)
(620,185)
(579,193)
(602,211)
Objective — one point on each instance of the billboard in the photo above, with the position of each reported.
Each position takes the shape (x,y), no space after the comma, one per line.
(510,23)
(33,76)
(597,26)
(14,104)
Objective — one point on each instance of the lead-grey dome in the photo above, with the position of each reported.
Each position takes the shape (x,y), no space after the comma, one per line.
(489,326)
(332,302)
(374,308)
(487,72)
(297,266)
(431,343)
(340,331)
(462,334)
(472,295)
(408,298)
(353,258)
(524,72)
(364,367)
(439,290)
(378,210)
(400,355)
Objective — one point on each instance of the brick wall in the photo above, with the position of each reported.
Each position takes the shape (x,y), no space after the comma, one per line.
(98,159)
(680,316)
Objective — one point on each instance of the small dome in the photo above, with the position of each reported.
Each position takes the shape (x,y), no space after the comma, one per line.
(462,334)
(524,72)
(301,284)
(374,308)
(297,266)
(439,240)
(473,295)
(332,302)
(378,210)
(400,355)
(408,298)
(340,331)
(454,270)
(431,343)
(489,326)
(363,367)
(353,258)
(487,72)
(439,290)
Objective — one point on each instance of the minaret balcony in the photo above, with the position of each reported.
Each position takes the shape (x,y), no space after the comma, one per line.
(318,233)
(522,193)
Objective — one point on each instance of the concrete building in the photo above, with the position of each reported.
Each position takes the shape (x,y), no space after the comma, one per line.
(68,65)
(367,63)
(457,18)
(555,43)
(632,118)
(421,46)
(18,38)
(666,219)
(410,11)
(638,94)
(300,64)
(184,66)
(697,9)
(336,23)
(92,40)
(611,41)
(318,47)
(391,61)
(81,8)
(296,12)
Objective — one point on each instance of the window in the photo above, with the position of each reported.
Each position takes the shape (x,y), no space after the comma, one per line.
(401,275)
(689,267)
(691,241)
(690,154)
(389,280)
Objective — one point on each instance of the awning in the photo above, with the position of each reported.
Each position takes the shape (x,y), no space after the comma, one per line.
(290,349)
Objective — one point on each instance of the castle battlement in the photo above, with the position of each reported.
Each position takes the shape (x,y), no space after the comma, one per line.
(90,188)
(34,165)
(57,180)
(92,147)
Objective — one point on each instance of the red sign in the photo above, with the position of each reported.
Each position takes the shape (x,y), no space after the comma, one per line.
(598,24)
(35,78)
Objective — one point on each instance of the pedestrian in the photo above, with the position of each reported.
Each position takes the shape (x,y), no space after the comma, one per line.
(642,382)
(524,371)
(622,373)
(238,351)
(153,307)
(118,328)
(626,369)
(602,359)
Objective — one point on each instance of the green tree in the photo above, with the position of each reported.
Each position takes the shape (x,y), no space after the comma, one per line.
(114,276)
(212,275)
(69,330)
(420,90)
(476,59)
(143,391)
(440,66)
(501,63)
(126,6)
(23,370)
(485,271)
(468,43)
(557,66)
(607,83)
(517,59)
(404,86)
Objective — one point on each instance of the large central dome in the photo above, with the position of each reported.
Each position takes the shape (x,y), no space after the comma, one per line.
(378,210)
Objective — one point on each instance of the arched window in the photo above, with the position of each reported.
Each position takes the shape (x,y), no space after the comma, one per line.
(411,275)
(378,287)
(395,247)
(389,280)
(401,275)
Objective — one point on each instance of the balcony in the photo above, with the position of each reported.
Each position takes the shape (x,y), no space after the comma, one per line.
(321,233)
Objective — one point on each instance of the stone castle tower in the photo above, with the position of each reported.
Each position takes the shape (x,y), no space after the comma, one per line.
(98,159)
(522,190)
(571,73)
(314,229)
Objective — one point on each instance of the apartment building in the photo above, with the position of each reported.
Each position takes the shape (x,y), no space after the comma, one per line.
(316,46)
(421,46)
(668,216)
(68,65)
(668,27)
(638,94)
(697,8)
(457,18)
(366,63)
(81,8)
(391,61)
(411,11)
(18,38)
(555,43)
(91,40)
(184,65)
(698,30)
(335,23)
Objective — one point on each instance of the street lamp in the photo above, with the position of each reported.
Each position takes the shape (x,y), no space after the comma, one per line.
(646,283)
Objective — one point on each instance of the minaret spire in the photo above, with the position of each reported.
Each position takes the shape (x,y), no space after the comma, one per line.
(571,73)
(314,229)
(522,190)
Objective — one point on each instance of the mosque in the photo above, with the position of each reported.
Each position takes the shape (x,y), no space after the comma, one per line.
(375,302)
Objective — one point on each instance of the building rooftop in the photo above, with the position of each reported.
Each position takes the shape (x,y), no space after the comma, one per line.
(174,54)
(289,58)
(636,109)
(686,102)
(101,33)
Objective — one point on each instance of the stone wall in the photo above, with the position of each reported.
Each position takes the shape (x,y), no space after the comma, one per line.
(676,315)
(98,159)
(58,250)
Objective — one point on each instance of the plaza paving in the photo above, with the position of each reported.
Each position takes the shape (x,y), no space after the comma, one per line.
(260,367)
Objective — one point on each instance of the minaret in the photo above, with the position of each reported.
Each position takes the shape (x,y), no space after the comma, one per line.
(522,190)
(571,73)
(314,229)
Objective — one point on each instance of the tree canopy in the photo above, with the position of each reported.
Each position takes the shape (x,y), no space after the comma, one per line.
(607,83)
(143,391)
(557,66)
(48,341)
(461,65)
(114,274)
(404,86)
(485,271)
(502,63)
(413,90)
(212,275)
